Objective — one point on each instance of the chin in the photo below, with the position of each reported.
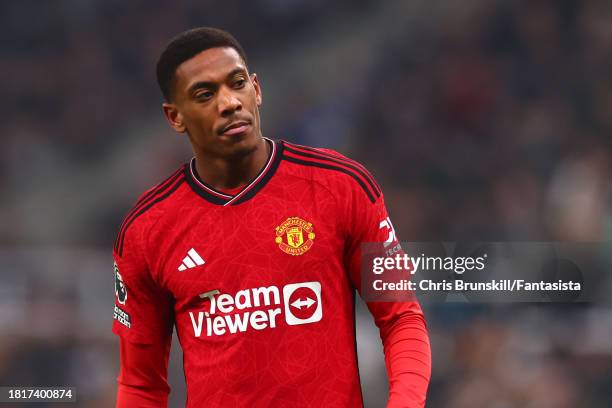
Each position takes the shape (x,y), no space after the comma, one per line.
(241,145)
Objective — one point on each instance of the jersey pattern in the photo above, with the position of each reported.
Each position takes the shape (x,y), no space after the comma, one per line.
(259,284)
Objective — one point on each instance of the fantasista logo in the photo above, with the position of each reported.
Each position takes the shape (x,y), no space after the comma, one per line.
(258,309)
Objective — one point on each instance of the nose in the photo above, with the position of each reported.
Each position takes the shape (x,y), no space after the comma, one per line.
(228,102)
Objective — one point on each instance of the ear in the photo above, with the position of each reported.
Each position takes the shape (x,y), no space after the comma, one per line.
(255,81)
(174,117)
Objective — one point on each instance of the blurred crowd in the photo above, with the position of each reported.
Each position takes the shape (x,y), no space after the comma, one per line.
(482,120)
(493,121)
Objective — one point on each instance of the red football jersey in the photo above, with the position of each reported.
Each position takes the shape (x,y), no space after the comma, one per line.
(259,284)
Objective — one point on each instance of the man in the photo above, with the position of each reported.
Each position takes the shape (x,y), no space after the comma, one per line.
(252,251)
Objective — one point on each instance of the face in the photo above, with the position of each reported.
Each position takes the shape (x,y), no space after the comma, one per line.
(216,102)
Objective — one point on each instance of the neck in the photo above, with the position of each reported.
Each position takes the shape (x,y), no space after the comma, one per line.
(224,173)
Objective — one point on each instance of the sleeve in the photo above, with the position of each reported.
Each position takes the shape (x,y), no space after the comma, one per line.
(143,319)
(401,323)
(142,378)
(143,310)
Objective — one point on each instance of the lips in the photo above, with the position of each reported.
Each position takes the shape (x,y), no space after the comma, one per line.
(235,127)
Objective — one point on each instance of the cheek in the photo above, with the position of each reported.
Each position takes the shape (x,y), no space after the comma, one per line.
(199,117)
(254,100)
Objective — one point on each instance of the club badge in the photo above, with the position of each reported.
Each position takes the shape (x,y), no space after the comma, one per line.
(295,236)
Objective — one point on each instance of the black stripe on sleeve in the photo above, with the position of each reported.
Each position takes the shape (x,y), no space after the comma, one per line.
(163,184)
(336,168)
(143,201)
(345,161)
(146,208)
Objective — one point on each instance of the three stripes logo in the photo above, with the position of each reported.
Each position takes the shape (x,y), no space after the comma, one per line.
(192,260)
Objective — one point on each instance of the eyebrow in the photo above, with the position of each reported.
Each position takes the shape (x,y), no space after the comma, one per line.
(210,84)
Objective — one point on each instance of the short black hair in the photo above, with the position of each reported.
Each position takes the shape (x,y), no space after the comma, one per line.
(185,46)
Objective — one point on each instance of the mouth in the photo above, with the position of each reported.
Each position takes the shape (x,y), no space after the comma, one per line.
(234,128)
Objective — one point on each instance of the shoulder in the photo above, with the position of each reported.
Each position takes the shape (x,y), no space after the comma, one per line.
(337,172)
(149,207)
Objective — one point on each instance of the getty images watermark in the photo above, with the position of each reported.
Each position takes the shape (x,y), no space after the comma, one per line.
(487,272)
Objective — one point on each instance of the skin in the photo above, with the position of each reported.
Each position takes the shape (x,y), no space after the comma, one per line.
(211,91)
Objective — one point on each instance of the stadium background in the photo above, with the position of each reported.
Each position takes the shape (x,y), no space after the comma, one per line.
(482,119)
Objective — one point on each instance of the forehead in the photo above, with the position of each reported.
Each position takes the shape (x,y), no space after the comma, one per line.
(211,65)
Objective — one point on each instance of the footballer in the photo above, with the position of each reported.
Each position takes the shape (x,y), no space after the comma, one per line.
(252,251)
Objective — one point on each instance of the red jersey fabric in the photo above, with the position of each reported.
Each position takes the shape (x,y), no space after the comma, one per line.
(260,287)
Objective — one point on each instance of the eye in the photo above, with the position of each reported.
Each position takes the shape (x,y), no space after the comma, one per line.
(204,95)
(239,83)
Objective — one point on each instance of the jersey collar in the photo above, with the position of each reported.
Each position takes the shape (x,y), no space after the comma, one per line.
(259,181)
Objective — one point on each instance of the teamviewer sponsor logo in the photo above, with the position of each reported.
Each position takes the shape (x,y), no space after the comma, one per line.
(302,303)
(258,309)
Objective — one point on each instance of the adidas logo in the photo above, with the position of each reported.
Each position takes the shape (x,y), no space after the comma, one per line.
(192,260)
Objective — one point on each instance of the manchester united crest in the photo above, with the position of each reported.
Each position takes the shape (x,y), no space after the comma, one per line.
(295,236)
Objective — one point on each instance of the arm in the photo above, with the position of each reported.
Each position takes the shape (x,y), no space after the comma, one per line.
(402,324)
(143,319)
(407,352)
(143,375)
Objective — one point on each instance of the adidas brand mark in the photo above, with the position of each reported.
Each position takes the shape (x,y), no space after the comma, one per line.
(192,260)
